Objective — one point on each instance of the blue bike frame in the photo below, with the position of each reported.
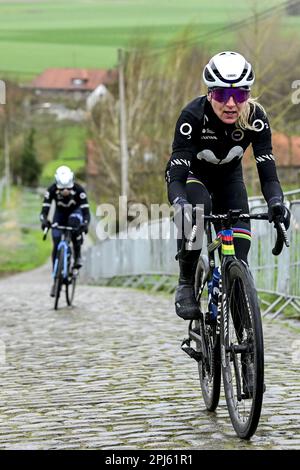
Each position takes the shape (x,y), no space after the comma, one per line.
(63,244)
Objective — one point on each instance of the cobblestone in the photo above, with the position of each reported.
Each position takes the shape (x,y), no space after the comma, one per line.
(109,374)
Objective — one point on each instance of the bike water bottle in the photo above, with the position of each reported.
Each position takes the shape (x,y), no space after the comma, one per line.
(213,304)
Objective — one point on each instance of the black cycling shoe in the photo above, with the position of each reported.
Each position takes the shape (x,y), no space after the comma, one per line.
(185,303)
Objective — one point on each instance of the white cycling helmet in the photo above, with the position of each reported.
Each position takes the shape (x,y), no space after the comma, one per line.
(228,69)
(64,177)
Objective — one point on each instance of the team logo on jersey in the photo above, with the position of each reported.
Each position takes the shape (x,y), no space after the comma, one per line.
(211,134)
(235,153)
(259,125)
(82,195)
(211,137)
(237,135)
(186,130)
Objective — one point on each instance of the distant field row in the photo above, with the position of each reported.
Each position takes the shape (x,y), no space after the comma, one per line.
(31,52)
(129,13)
(87,33)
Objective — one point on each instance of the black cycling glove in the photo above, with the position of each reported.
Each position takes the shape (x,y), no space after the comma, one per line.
(278,212)
(184,217)
(85,227)
(45,223)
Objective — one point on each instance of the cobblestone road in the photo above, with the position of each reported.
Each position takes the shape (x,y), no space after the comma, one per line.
(109,374)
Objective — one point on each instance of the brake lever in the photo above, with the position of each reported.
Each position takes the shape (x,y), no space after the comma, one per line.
(285,235)
(282,238)
(46,230)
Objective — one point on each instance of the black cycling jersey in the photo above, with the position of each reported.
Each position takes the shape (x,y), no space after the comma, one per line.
(76,199)
(211,150)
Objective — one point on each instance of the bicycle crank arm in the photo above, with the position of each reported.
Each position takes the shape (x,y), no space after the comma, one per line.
(239,348)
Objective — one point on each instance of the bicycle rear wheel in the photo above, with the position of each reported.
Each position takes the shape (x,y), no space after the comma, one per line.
(242,350)
(58,282)
(209,367)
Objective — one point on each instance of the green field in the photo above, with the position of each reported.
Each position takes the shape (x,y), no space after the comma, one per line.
(38,34)
(72,154)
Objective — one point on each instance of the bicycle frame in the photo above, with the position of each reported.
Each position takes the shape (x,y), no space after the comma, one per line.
(65,245)
(223,240)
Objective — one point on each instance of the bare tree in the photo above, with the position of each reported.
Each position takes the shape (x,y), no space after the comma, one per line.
(276,61)
(160,82)
(156,90)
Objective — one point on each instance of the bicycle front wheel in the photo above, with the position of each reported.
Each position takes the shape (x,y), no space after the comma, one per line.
(58,282)
(209,366)
(242,350)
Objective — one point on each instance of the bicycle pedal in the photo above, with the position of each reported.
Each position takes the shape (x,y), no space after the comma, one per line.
(185,346)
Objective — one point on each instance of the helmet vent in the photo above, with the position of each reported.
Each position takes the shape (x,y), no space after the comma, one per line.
(209,76)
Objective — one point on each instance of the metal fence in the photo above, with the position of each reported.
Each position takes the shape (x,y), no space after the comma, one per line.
(277,275)
(148,255)
(131,256)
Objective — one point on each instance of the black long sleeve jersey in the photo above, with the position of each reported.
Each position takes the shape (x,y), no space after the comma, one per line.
(209,149)
(77,199)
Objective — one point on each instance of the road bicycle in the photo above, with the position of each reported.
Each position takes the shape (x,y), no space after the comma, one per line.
(64,274)
(233,341)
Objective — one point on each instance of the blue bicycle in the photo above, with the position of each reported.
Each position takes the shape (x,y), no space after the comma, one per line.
(63,271)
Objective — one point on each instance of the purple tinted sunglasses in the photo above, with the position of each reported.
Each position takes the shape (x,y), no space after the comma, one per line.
(222,95)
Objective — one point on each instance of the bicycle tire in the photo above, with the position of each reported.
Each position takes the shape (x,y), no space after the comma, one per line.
(58,278)
(210,370)
(70,289)
(242,347)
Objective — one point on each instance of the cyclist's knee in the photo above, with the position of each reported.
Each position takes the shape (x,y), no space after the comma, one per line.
(198,194)
(56,235)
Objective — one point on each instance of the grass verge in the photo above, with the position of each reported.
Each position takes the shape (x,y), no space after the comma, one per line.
(21,244)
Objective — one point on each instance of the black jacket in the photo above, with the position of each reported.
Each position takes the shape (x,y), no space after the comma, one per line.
(211,149)
(77,199)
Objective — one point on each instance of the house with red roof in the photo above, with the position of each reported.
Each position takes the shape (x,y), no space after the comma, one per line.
(73,82)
